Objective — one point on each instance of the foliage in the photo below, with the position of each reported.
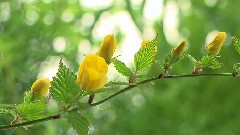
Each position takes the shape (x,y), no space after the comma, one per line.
(63,87)
(122,68)
(31,111)
(210,62)
(24,55)
(79,123)
(143,59)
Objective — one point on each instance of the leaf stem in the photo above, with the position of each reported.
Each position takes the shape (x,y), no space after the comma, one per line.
(7,106)
(157,78)
(5,127)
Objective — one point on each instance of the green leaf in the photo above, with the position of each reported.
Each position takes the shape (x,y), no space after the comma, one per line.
(79,123)
(7,108)
(5,111)
(236,43)
(236,67)
(168,61)
(143,59)
(63,87)
(192,59)
(31,111)
(210,62)
(27,97)
(161,64)
(122,68)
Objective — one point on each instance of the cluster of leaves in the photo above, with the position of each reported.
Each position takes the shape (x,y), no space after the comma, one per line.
(68,94)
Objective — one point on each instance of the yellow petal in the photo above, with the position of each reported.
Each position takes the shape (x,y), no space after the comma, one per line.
(107,47)
(178,51)
(40,87)
(92,73)
(214,47)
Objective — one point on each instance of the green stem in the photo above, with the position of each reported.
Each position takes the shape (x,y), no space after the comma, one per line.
(7,106)
(157,78)
(4,127)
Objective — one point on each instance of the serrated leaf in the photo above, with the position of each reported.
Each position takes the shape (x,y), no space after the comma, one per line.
(31,111)
(236,67)
(192,59)
(27,97)
(4,111)
(161,64)
(79,123)
(236,43)
(122,68)
(143,59)
(167,62)
(63,87)
(7,108)
(210,62)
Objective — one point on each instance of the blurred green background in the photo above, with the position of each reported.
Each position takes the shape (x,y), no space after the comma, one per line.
(34,34)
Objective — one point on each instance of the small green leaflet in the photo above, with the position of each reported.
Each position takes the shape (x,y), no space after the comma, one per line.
(168,61)
(236,67)
(210,62)
(4,111)
(236,43)
(7,108)
(63,87)
(192,59)
(143,59)
(79,123)
(31,111)
(27,97)
(122,68)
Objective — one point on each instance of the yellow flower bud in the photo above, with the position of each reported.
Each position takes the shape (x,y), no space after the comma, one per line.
(178,51)
(107,48)
(40,87)
(92,73)
(214,47)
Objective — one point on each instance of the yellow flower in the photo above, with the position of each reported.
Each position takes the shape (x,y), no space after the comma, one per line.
(145,42)
(40,87)
(214,47)
(92,73)
(178,51)
(107,48)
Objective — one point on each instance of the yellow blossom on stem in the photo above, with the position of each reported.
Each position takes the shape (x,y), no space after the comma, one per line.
(92,73)
(40,88)
(214,47)
(108,47)
(178,51)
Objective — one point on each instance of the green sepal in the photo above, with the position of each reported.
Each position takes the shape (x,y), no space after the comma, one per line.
(27,97)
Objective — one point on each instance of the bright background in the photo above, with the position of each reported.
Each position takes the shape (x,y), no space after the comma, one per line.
(34,34)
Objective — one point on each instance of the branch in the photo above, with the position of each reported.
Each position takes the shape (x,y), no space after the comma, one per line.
(157,78)
(4,127)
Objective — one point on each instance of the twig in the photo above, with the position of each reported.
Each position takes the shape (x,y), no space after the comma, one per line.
(157,78)
(5,127)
